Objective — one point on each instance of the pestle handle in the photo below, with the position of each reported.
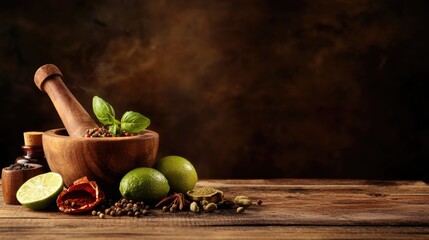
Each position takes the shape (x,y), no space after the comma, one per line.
(76,120)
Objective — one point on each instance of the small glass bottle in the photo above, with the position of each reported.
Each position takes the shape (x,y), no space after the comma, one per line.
(33,150)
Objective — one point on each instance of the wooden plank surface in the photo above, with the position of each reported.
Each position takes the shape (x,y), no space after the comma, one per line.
(292,208)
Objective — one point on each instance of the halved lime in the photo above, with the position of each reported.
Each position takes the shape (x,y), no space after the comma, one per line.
(39,192)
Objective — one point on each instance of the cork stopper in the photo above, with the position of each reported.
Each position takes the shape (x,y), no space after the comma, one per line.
(33,138)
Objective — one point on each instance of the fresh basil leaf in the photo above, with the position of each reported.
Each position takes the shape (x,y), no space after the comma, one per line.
(103,111)
(113,129)
(134,122)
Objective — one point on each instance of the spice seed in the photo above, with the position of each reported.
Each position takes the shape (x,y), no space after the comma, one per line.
(194,207)
(101,215)
(259,202)
(240,210)
(164,209)
(94,213)
(172,209)
(210,207)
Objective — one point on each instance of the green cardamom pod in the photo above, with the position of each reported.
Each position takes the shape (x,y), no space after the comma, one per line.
(244,203)
(239,198)
(194,207)
(210,207)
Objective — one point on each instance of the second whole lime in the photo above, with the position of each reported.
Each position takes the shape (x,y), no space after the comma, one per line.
(144,184)
(180,173)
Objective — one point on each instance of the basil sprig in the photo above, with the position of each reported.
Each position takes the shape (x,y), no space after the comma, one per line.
(132,122)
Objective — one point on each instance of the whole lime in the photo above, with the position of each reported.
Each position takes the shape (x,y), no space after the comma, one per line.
(180,173)
(144,184)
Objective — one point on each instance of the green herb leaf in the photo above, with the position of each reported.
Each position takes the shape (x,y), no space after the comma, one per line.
(103,111)
(113,129)
(134,122)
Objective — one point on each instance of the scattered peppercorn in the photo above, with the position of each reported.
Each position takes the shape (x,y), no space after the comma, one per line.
(101,215)
(259,202)
(94,213)
(123,207)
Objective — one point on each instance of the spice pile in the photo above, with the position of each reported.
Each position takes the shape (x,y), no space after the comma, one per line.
(19,166)
(103,131)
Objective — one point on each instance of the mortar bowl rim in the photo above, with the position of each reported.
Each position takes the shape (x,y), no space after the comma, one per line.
(62,134)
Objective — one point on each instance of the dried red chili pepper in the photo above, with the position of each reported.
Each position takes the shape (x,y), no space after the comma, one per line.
(83,195)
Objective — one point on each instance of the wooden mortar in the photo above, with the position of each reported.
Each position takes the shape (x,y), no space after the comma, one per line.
(105,160)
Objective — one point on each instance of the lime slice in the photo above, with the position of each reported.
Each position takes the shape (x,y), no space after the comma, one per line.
(39,192)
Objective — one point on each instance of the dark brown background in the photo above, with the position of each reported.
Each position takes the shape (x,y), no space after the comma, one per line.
(243,89)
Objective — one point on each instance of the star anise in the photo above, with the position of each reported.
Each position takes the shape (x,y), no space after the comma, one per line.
(173,201)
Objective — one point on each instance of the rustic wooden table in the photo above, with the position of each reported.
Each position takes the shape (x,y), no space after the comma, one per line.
(291,209)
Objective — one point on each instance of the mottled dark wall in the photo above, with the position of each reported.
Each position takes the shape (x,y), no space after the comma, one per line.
(244,89)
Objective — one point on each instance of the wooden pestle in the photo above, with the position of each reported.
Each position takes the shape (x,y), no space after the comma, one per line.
(76,120)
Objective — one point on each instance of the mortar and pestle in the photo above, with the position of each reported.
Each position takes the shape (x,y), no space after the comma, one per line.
(103,159)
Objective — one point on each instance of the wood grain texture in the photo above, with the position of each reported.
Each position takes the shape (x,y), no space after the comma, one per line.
(291,209)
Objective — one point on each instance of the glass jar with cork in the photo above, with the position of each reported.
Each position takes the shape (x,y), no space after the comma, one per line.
(33,150)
